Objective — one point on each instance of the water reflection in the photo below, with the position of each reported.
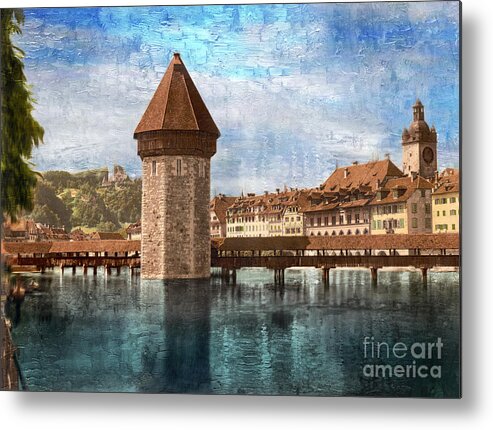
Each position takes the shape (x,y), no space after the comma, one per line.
(253,337)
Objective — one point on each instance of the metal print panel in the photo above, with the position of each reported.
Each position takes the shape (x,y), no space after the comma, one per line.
(232,199)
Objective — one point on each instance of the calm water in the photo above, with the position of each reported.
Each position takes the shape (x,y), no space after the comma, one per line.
(120,334)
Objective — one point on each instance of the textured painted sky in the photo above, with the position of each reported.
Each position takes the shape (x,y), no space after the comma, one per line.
(295,89)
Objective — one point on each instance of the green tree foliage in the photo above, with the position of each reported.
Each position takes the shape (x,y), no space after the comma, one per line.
(89,209)
(49,208)
(44,215)
(20,131)
(61,180)
(124,200)
(108,226)
(80,200)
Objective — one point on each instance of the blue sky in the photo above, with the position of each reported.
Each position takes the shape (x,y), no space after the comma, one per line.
(295,89)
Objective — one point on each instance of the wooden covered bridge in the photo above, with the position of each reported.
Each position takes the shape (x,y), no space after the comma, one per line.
(88,254)
(422,251)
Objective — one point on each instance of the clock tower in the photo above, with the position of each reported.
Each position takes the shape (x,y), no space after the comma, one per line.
(419,145)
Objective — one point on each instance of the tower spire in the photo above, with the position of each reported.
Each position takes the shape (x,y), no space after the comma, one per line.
(418,111)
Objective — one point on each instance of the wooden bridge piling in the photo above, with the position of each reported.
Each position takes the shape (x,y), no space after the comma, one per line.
(279,276)
(424,273)
(374,274)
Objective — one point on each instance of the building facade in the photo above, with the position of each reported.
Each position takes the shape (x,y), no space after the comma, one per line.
(134,231)
(341,206)
(445,202)
(176,140)
(402,206)
(266,215)
(217,210)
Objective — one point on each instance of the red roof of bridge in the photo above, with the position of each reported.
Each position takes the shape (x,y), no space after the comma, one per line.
(110,246)
(384,241)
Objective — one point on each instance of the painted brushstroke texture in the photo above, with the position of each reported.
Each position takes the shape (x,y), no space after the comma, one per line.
(295,89)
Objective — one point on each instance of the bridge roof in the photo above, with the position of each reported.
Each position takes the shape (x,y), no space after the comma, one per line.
(387,241)
(384,241)
(110,246)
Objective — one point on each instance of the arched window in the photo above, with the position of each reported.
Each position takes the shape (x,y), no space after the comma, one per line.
(349,232)
(326,233)
(333,233)
(319,234)
(357,231)
(365,231)
(341,233)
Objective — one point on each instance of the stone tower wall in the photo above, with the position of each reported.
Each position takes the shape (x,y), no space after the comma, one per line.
(175,217)
(412,159)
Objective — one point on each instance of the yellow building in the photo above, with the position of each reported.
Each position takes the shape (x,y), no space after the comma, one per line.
(402,206)
(292,220)
(445,203)
(246,217)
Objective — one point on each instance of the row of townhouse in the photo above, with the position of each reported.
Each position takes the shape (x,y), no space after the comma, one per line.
(270,214)
(28,230)
(370,198)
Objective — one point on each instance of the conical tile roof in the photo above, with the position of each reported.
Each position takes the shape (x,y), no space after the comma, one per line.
(177,104)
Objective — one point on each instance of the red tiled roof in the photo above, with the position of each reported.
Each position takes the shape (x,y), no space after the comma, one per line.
(448,182)
(272,203)
(358,175)
(135,228)
(383,241)
(407,183)
(220,205)
(101,235)
(110,246)
(177,104)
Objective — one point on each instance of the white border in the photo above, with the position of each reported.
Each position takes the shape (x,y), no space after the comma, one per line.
(124,411)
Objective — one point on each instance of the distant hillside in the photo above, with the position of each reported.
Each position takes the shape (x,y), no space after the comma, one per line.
(78,199)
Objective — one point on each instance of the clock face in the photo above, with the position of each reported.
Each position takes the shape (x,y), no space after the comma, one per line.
(428,155)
